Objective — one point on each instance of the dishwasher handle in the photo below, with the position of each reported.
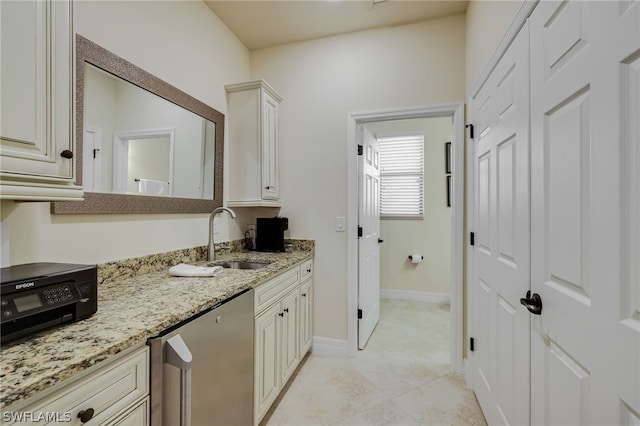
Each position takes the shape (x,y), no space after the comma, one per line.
(179,355)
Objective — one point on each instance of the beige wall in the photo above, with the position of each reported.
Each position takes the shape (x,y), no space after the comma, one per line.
(487,21)
(322,81)
(431,236)
(181,42)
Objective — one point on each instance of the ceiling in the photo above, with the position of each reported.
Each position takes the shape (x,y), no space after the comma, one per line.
(265,23)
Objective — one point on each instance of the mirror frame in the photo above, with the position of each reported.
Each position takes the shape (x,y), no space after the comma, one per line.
(107,203)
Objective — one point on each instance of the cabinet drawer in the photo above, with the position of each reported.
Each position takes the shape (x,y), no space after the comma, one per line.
(273,290)
(137,416)
(306,269)
(107,391)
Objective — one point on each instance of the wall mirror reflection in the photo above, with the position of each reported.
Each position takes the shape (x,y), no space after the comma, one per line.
(143,146)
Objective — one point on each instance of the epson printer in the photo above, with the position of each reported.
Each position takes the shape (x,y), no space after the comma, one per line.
(36,296)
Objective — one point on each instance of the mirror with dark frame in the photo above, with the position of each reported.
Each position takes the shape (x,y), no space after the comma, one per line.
(168,160)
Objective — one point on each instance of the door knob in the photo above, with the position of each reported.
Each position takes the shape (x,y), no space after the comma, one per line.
(532,303)
(380,241)
(86,415)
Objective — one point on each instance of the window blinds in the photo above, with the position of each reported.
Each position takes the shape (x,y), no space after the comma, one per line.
(402,177)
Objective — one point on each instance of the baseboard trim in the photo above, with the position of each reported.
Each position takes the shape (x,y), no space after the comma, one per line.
(421,296)
(330,347)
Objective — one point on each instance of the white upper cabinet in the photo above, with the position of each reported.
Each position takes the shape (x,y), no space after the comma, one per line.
(37,109)
(253,144)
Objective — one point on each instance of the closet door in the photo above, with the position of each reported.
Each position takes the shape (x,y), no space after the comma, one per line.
(585,94)
(501,330)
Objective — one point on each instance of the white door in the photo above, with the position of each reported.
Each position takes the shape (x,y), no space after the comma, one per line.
(585,93)
(368,245)
(500,360)
(92,159)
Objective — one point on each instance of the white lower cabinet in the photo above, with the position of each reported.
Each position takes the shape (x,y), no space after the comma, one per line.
(283,318)
(290,344)
(115,394)
(306,315)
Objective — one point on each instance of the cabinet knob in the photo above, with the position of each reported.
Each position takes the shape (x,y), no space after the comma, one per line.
(309,270)
(281,314)
(267,187)
(286,310)
(304,294)
(66,154)
(85,415)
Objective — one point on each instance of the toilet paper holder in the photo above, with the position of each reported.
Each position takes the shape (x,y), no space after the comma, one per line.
(415,258)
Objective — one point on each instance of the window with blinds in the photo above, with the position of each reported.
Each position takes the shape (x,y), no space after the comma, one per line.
(402,177)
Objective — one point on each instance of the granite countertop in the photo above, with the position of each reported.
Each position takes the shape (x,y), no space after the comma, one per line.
(130,310)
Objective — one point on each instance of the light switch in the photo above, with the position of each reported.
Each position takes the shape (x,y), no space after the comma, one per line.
(340,225)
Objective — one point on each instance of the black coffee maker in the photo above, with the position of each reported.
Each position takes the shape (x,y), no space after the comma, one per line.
(270,233)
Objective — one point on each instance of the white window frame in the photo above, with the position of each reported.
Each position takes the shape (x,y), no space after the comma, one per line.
(418,174)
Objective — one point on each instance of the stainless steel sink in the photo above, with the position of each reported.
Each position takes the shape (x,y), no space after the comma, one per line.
(239,264)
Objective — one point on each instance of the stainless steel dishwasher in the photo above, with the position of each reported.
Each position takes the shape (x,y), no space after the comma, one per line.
(202,369)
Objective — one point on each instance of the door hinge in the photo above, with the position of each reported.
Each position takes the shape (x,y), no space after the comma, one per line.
(359,231)
(471,344)
(472,238)
(359,313)
(470,127)
(360,149)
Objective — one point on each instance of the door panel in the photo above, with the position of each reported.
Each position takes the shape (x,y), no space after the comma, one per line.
(616,246)
(501,255)
(566,169)
(561,51)
(507,231)
(586,343)
(568,388)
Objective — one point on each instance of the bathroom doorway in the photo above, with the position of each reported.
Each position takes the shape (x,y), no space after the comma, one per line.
(452,190)
(415,227)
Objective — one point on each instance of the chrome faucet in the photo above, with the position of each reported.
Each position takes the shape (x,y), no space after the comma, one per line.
(211,247)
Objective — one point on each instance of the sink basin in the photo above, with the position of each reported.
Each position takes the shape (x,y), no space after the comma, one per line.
(238,264)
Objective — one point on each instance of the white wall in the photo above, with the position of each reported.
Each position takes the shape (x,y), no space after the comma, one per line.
(431,236)
(322,81)
(487,21)
(181,42)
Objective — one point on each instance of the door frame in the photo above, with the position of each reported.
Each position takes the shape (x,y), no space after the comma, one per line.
(456,112)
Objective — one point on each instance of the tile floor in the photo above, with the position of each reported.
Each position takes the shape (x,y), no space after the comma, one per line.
(401,378)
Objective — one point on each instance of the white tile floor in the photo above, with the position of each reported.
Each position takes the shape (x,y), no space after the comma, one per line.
(401,378)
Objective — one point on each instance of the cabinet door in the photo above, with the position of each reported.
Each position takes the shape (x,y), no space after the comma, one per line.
(267,377)
(270,186)
(290,334)
(306,316)
(37,90)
